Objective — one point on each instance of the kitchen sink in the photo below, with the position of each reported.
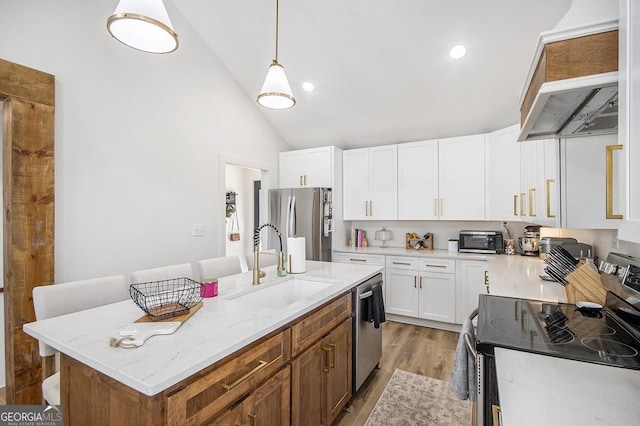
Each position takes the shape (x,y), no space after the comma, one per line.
(284,294)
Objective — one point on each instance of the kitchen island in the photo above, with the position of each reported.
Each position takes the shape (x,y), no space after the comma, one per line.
(166,366)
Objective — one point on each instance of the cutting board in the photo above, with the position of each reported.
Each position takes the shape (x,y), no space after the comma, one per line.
(585,284)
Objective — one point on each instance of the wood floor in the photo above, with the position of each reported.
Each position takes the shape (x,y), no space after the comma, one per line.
(419,350)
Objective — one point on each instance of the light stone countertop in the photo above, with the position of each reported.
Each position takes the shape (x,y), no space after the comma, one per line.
(221,327)
(544,390)
(509,276)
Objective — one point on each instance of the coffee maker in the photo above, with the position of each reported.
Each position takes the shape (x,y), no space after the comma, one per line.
(530,242)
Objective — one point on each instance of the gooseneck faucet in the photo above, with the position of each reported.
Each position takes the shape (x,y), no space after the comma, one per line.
(257,273)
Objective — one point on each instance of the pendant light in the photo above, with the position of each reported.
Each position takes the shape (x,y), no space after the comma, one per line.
(276,92)
(143,25)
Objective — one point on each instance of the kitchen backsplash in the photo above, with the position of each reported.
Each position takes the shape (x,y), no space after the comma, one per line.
(600,239)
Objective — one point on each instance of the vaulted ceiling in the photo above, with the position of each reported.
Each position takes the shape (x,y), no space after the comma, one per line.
(381,69)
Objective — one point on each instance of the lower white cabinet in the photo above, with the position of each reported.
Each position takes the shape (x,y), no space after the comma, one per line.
(421,288)
(472,280)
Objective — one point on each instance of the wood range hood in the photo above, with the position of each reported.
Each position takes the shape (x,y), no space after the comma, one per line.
(572,86)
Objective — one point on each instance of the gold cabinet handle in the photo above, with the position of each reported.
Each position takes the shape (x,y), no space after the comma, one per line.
(515,205)
(366,208)
(300,180)
(609,161)
(486,280)
(332,348)
(441,207)
(435,266)
(358,260)
(420,282)
(370,208)
(435,207)
(522,194)
(327,353)
(261,365)
(254,419)
(305,180)
(532,206)
(401,263)
(548,183)
(415,282)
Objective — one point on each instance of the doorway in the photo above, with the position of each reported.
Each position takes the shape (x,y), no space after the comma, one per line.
(243,212)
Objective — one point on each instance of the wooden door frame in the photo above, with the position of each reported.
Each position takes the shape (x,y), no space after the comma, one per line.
(28,199)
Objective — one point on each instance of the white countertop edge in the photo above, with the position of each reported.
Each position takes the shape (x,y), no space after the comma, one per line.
(538,389)
(123,368)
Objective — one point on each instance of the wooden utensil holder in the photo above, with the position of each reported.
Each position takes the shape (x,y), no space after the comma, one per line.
(584,284)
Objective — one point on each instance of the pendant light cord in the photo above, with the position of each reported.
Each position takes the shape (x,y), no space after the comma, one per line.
(277,13)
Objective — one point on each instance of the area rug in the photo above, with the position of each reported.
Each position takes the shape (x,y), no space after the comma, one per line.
(411,399)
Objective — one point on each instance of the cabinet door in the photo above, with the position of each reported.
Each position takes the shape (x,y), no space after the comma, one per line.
(461,178)
(307,386)
(438,297)
(502,162)
(402,292)
(585,182)
(418,181)
(355,176)
(270,404)
(290,169)
(338,391)
(532,157)
(549,184)
(470,284)
(383,183)
(318,167)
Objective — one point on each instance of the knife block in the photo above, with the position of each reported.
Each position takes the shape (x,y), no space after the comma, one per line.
(585,284)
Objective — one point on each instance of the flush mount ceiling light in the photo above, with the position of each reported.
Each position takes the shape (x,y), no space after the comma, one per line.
(143,25)
(458,51)
(307,86)
(276,92)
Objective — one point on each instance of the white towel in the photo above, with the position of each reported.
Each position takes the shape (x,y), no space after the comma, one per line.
(463,372)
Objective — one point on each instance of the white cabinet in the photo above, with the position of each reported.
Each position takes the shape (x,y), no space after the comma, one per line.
(370,189)
(418,180)
(531,156)
(472,280)
(421,288)
(307,168)
(584,182)
(359,258)
(461,178)
(502,162)
(549,184)
(628,123)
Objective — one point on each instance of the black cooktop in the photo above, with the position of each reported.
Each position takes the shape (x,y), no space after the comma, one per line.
(610,336)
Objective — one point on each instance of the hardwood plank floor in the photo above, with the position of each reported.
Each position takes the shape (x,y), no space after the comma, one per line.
(419,350)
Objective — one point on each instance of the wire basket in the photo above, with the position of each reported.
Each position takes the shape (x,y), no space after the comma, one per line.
(167,298)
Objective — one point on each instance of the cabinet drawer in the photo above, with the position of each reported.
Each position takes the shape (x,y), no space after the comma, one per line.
(445,266)
(403,262)
(365,259)
(306,332)
(209,393)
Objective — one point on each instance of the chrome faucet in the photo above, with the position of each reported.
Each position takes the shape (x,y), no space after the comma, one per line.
(257,273)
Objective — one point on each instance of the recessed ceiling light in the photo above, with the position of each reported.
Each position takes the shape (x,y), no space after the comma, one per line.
(307,86)
(458,51)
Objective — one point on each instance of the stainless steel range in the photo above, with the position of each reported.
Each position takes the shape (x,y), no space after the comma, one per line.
(610,336)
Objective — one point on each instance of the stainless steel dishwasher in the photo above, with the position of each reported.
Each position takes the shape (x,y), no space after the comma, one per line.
(367,340)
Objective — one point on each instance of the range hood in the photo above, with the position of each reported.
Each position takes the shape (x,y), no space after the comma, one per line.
(572,86)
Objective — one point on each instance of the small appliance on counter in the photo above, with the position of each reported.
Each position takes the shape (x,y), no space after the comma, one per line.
(571,245)
(480,242)
(530,242)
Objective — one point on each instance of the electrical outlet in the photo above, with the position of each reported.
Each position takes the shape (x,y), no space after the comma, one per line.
(198,229)
(614,239)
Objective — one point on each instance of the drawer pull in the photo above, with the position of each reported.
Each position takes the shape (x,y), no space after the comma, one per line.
(435,266)
(254,420)
(327,352)
(261,365)
(420,282)
(358,260)
(333,355)
(402,263)
(415,285)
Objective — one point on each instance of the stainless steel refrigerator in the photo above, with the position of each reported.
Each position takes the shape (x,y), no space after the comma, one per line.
(304,212)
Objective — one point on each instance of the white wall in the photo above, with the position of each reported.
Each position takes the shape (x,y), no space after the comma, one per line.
(138,138)
(240,180)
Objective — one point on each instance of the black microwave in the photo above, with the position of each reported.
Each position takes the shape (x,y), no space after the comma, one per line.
(481,242)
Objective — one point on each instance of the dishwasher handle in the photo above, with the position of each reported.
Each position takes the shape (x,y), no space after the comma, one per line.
(471,350)
(366,295)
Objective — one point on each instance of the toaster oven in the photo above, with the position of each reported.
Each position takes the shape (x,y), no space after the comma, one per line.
(481,242)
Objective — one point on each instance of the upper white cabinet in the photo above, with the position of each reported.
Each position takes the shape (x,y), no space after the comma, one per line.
(549,183)
(502,167)
(461,178)
(418,180)
(307,168)
(628,123)
(370,183)
(591,188)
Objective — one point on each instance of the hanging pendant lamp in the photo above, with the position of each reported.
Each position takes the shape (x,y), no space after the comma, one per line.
(276,92)
(143,25)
